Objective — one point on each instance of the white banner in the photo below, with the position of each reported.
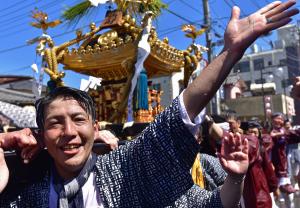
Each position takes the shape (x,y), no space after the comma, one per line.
(97,2)
(92,83)
(143,52)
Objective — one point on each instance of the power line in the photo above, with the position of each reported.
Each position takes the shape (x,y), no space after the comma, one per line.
(10,19)
(12,25)
(16,32)
(228,4)
(170,2)
(12,49)
(17,10)
(13,5)
(190,6)
(23,21)
(179,16)
(255,4)
(55,36)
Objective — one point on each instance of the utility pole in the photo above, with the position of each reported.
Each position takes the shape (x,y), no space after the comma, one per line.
(207,22)
(214,106)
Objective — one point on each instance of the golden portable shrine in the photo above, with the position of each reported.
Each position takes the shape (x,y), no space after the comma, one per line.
(112,55)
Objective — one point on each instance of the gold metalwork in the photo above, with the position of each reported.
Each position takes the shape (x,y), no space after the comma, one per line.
(42,21)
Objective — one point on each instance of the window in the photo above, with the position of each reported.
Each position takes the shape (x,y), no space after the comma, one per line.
(259,81)
(258,64)
(248,83)
(269,63)
(285,83)
(242,67)
(282,62)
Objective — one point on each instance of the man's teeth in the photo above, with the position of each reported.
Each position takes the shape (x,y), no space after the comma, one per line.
(72,146)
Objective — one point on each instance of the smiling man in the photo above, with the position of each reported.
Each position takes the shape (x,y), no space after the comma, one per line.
(154,169)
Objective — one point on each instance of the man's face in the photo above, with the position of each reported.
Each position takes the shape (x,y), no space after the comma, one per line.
(277,122)
(253,132)
(69,134)
(287,125)
(233,124)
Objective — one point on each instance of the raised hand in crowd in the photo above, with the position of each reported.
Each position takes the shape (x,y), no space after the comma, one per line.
(234,155)
(239,35)
(234,160)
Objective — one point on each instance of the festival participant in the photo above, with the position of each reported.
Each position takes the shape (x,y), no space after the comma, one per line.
(153,170)
(293,155)
(281,139)
(260,178)
(66,120)
(207,171)
(234,122)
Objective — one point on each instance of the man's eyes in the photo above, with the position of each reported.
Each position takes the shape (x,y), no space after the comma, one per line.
(53,123)
(80,118)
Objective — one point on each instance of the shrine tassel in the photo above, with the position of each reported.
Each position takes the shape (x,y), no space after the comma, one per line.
(141,93)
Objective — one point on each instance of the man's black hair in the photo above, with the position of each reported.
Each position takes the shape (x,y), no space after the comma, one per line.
(218,118)
(277,114)
(246,125)
(84,100)
(231,114)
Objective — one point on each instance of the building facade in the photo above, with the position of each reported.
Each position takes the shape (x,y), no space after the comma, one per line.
(279,65)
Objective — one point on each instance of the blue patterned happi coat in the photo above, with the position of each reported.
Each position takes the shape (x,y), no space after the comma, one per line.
(151,171)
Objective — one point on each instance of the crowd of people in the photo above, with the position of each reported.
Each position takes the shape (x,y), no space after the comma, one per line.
(180,160)
(273,158)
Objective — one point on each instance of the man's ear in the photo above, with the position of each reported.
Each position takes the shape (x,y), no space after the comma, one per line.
(96,129)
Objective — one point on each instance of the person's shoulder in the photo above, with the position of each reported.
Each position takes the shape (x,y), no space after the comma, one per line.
(209,158)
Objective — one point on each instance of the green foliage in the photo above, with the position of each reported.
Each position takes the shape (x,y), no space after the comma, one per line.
(155,6)
(75,13)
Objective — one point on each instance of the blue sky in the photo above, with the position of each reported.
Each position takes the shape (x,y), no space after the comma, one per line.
(16,56)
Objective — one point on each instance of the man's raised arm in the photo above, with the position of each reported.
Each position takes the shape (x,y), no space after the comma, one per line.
(239,35)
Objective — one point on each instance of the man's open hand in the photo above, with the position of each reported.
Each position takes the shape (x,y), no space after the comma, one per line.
(241,33)
(234,154)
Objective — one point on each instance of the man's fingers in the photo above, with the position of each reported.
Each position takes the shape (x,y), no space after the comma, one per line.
(245,146)
(238,142)
(235,13)
(222,160)
(29,153)
(279,8)
(277,24)
(284,14)
(269,7)
(26,140)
